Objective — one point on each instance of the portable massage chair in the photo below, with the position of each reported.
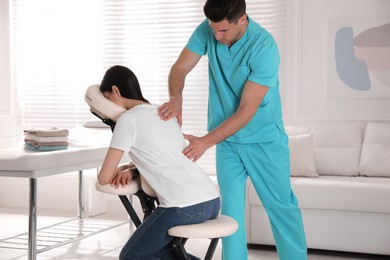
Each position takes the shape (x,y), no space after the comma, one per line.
(214,229)
(109,112)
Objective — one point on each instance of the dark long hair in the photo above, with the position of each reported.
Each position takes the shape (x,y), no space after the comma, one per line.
(125,80)
(218,10)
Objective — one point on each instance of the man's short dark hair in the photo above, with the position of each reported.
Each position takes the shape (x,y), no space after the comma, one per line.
(218,10)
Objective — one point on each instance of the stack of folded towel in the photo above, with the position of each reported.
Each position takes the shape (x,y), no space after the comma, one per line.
(51,139)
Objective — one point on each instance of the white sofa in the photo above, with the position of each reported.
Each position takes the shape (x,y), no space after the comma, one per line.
(341,176)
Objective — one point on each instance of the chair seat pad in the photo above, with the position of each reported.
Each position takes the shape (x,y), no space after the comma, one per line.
(221,226)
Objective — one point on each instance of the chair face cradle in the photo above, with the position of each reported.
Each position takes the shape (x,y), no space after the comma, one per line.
(214,229)
(101,106)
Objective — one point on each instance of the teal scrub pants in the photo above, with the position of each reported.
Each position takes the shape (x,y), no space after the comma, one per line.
(268,166)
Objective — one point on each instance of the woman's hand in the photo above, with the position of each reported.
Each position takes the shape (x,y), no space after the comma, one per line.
(123,177)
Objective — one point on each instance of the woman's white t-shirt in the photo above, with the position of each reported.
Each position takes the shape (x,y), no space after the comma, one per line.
(156,146)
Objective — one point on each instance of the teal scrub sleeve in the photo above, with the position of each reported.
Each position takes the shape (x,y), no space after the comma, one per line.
(198,40)
(265,65)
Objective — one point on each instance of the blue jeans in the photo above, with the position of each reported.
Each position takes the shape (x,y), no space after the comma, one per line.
(151,240)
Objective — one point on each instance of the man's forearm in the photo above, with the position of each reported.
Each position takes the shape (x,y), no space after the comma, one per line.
(229,127)
(176,81)
(185,63)
(251,99)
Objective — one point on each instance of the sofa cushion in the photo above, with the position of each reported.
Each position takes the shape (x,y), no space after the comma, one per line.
(361,194)
(301,155)
(337,149)
(375,158)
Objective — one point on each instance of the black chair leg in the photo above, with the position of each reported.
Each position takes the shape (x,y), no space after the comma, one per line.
(178,246)
(148,205)
(130,210)
(211,249)
(181,253)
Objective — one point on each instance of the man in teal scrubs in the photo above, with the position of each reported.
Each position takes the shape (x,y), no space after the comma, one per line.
(244,122)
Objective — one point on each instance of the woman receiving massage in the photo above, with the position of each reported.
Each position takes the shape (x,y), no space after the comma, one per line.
(185,192)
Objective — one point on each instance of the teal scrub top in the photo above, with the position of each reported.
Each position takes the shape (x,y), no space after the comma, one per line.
(253,57)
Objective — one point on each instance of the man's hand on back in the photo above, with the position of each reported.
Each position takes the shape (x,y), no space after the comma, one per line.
(172,108)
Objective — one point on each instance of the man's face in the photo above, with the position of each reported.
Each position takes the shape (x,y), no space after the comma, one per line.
(229,33)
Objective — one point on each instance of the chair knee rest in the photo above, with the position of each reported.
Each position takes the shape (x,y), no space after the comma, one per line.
(221,226)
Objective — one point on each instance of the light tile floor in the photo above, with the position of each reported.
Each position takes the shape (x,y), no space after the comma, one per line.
(107,245)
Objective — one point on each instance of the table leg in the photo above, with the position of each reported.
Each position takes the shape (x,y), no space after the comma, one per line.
(81,199)
(32,220)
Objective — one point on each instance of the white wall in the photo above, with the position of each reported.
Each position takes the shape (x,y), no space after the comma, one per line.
(315,94)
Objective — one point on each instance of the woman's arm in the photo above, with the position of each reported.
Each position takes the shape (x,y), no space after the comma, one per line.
(108,171)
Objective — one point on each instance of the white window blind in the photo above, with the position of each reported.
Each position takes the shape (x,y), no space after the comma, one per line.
(61,47)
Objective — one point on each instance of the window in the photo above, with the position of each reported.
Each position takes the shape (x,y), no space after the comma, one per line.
(62,47)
